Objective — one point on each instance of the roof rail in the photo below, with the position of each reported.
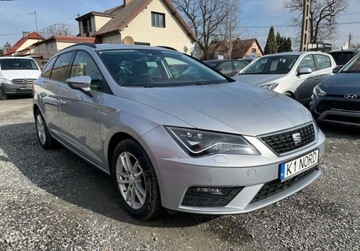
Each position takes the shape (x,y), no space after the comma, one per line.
(167,47)
(85,44)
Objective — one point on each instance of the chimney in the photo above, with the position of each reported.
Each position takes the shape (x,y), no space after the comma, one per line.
(25,33)
(126,2)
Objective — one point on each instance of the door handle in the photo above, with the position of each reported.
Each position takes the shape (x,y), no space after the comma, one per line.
(62,102)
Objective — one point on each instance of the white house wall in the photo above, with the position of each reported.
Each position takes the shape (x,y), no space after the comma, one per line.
(100,22)
(141,30)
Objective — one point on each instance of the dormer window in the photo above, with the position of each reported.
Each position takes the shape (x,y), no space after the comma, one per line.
(87,26)
(158,19)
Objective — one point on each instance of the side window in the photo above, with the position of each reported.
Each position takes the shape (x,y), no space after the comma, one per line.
(226,68)
(47,70)
(322,61)
(307,61)
(84,65)
(61,67)
(239,65)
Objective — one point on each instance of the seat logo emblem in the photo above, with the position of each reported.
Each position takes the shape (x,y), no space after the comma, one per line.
(297,138)
(350,96)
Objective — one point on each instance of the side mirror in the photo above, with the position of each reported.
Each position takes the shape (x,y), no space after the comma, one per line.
(304,70)
(82,83)
(337,68)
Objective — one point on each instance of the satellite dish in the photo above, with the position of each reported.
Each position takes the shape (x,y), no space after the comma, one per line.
(128,40)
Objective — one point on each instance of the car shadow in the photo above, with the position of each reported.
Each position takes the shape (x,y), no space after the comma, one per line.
(340,131)
(62,174)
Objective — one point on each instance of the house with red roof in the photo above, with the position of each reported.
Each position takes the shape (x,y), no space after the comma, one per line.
(145,22)
(27,40)
(240,48)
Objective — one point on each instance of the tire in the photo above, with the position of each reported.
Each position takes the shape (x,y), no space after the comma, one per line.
(289,95)
(135,179)
(42,132)
(2,95)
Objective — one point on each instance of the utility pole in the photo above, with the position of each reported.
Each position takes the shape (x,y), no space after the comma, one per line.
(305,25)
(349,41)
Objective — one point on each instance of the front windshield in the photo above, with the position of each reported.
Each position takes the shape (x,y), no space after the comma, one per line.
(17,64)
(152,67)
(353,66)
(280,64)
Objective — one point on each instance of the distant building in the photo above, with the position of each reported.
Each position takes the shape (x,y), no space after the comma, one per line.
(240,48)
(145,22)
(27,40)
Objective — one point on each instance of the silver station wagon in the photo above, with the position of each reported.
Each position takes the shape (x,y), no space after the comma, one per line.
(173,133)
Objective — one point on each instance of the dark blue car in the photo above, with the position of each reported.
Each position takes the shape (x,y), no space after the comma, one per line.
(337,98)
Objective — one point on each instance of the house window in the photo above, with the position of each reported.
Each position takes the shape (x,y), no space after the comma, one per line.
(158,19)
(253,50)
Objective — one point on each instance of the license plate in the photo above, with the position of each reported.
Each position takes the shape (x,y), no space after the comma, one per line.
(296,166)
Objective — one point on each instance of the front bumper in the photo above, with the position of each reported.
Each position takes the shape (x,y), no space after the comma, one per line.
(252,179)
(336,110)
(17,89)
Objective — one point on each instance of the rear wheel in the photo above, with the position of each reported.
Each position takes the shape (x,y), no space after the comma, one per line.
(46,141)
(135,179)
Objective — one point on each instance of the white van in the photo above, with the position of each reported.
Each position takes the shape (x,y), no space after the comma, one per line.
(17,75)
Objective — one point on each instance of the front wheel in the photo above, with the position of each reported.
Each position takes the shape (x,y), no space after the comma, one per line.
(45,139)
(3,96)
(135,180)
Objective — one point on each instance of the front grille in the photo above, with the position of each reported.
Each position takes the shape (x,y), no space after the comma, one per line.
(276,186)
(284,142)
(193,199)
(22,81)
(349,105)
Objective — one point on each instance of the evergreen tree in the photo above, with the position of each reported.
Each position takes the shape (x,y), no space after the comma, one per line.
(271,45)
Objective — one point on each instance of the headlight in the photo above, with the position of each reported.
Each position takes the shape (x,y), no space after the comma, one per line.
(200,143)
(270,86)
(318,91)
(5,81)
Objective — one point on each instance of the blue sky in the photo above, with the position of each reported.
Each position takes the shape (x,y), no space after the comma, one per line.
(256,17)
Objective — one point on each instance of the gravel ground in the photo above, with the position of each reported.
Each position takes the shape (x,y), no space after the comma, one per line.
(52,200)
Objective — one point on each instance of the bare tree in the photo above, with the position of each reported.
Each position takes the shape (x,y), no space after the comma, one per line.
(60,29)
(210,20)
(323,14)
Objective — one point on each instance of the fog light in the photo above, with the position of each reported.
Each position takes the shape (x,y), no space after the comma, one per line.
(208,190)
(209,196)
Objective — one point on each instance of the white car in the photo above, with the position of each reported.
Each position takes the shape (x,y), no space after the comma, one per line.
(294,74)
(17,75)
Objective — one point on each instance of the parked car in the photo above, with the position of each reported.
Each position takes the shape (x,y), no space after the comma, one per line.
(191,141)
(337,99)
(341,57)
(228,67)
(17,75)
(294,74)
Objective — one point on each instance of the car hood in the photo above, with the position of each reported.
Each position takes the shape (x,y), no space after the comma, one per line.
(234,107)
(14,74)
(258,79)
(342,84)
